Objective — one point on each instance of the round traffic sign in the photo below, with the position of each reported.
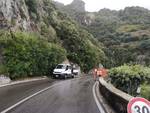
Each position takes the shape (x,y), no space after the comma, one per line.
(138,105)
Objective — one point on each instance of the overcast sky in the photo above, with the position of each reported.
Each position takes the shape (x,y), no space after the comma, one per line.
(95,5)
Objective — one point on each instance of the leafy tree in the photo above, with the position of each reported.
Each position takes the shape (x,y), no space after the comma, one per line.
(27,55)
(48,33)
(32,8)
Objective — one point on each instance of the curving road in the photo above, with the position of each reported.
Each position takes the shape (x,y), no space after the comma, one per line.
(10,95)
(69,96)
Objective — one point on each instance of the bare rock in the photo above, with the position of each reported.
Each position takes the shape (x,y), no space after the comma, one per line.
(14,13)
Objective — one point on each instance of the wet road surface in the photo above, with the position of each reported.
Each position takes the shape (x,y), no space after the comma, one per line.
(10,95)
(68,96)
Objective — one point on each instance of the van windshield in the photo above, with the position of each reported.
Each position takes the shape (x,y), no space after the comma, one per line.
(61,67)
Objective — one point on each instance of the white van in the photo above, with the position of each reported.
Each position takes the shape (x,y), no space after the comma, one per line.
(63,71)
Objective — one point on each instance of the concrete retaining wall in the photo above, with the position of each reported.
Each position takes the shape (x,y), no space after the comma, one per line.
(4,80)
(116,98)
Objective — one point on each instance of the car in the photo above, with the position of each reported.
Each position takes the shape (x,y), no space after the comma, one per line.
(63,71)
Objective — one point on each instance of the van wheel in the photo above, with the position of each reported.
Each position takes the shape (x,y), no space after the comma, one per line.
(72,76)
(65,77)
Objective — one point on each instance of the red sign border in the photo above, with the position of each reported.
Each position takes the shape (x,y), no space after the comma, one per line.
(133,100)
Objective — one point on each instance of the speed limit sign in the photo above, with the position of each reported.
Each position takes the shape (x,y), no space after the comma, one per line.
(138,105)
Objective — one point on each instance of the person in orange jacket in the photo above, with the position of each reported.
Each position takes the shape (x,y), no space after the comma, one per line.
(100,72)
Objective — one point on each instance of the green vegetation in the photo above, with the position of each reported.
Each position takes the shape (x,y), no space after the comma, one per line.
(32,8)
(48,33)
(129,77)
(129,28)
(79,44)
(124,36)
(26,55)
(3,70)
(145,91)
(124,33)
(80,49)
(57,38)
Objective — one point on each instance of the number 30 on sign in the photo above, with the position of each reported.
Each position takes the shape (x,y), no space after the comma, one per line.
(138,105)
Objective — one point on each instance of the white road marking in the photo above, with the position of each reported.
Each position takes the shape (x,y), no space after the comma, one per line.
(96,100)
(29,97)
(20,82)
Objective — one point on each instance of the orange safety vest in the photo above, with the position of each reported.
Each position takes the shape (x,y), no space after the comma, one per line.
(102,72)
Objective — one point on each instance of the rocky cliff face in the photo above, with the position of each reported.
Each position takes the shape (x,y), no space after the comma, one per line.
(76,10)
(78,5)
(19,14)
(14,13)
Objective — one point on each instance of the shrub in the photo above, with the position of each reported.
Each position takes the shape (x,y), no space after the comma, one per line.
(27,55)
(32,8)
(129,78)
(145,91)
(78,44)
(48,33)
(3,70)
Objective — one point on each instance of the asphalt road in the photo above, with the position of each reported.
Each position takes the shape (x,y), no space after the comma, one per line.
(69,96)
(10,95)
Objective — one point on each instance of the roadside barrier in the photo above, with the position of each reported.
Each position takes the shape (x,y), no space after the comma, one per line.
(116,98)
(4,79)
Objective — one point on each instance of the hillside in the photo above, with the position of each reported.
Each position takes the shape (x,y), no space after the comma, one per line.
(32,32)
(125,33)
(35,36)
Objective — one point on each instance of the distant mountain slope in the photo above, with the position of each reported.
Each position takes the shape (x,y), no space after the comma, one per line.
(76,5)
(125,33)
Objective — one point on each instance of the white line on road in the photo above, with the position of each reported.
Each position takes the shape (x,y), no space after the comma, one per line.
(29,97)
(96,100)
(24,81)
(20,102)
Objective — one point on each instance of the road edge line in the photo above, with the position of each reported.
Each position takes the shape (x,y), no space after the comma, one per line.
(20,82)
(97,101)
(29,97)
